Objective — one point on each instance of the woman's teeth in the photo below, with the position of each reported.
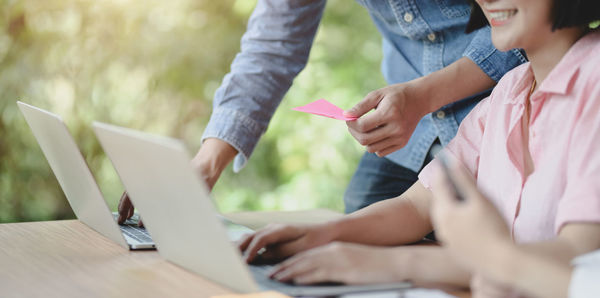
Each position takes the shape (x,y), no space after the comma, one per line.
(502,15)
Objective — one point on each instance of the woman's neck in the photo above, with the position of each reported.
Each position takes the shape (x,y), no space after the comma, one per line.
(546,55)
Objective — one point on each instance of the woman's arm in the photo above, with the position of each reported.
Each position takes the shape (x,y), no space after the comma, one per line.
(351,263)
(396,221)
(477,236)
(543,269)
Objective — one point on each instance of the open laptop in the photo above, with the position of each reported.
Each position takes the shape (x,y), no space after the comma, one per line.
(180,215)
(77,182)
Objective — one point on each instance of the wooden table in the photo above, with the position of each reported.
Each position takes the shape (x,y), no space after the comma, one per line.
(68,259)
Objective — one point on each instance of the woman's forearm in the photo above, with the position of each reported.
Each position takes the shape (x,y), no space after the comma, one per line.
(429,264)
(541,269)
(528,271)
(396,221)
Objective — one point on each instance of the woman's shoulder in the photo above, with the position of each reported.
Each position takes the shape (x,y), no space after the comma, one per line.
(589,69)
(509,84)
(514,76)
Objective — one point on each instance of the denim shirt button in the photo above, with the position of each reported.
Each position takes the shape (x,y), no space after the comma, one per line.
(408,17)
(431,36)
(440,114)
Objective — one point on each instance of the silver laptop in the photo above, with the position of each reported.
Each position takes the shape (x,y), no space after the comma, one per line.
(77,182)
(180,215)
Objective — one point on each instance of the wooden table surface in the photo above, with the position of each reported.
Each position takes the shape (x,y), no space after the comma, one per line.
(68,259)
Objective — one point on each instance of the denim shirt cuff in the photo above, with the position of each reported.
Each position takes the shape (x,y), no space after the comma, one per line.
(496,63)
(237,129)
(493,62)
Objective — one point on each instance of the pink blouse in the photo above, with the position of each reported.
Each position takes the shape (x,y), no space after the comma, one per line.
(564,143)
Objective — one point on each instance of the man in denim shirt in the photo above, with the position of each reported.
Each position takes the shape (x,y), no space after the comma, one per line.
(436,74)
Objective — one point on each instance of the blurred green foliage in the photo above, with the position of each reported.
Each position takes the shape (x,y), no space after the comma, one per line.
(155,65)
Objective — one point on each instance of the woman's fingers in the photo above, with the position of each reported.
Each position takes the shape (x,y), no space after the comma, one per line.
(270,236)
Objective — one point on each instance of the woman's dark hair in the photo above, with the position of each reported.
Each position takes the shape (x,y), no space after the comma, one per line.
(565,13)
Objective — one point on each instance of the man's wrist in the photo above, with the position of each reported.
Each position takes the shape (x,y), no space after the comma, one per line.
(459,80)
(422,93)
(212,158)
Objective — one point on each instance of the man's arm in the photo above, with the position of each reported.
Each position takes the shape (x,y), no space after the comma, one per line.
(212,158)
(274,49)
(401,106)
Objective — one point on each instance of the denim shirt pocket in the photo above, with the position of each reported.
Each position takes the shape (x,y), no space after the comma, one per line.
(454,8)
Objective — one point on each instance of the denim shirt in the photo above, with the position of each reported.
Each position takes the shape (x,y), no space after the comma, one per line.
(419,37)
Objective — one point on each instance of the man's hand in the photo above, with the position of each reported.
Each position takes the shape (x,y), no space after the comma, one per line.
(211,160)
(126,210)
(401,106)
(276,241)
(347,263)
(389,127)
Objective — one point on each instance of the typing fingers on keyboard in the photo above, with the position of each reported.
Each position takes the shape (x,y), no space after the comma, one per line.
(270,237)
(283,250)
(124,208)
(243,242)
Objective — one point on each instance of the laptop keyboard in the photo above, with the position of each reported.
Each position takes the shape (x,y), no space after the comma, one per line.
(137,233)
(131,229)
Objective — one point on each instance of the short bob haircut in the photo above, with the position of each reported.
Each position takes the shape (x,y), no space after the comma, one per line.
(565,13)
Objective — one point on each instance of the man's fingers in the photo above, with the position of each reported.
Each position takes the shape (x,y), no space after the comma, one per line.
(367,123)
(376,135)
(130,211)
(383,144)
(389,150)
(124,206)
(368,103)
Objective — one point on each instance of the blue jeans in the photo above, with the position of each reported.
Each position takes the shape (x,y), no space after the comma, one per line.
(377,179)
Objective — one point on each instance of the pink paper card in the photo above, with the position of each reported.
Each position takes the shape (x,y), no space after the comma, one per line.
(322,107)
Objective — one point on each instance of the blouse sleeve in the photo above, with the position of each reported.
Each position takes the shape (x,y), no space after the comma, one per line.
(581,199)
(464,148)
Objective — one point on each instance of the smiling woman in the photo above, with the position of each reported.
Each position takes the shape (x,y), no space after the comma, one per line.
(155,67)
(530,150)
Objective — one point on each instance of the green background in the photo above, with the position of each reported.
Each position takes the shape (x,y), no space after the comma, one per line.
(154,66)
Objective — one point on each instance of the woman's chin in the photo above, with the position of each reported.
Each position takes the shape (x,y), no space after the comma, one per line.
(503,45)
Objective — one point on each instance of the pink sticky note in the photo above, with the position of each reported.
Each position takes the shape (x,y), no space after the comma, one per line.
(322,107)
